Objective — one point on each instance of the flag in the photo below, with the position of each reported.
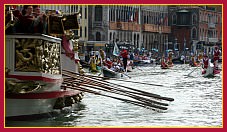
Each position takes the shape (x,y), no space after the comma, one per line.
(116,50)
(131,18)
(165,20)
(160,21)
(130,15)
(136,16)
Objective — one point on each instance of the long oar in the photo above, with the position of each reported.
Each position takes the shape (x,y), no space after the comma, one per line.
(146,105)
(192,71)
(138,82)
(123,80)
(109,87)
(139,68)
(120,92)
(126,75)
(144,93)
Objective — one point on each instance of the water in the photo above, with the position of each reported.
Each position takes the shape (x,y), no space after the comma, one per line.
(198,103)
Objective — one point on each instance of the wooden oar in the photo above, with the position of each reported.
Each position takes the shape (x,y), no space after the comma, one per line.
(126,75)
(146,105)
(138,82)
(121,79)
(139,68)
(120,92)
(192,71)
(145,93)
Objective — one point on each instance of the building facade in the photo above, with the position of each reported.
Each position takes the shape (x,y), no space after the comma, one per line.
(195,28)
(136,25)
(178,27)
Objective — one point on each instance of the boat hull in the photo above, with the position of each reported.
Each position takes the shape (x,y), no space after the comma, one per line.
(18,105)
(112,74)
(22,107)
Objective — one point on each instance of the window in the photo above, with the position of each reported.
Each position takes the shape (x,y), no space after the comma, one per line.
(183,20)
(98,13)
(194,33)
(98,36)
(174,19)
(110,36)
(80,31)
(81,11)
(85,13)
(85,32)
(194,19)
(113,36)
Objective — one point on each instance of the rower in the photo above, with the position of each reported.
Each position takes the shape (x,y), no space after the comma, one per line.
(163,63)
(205,63)
(170,58)
(216,53)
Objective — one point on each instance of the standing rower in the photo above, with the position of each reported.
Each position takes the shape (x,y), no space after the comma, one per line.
(205,63)
(216,53)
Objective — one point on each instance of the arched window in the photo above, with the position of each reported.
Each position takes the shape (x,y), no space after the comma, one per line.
(110,36)
(174,19)
(194,19)
(98,13)
(98,36)
(114,38)
(194,33)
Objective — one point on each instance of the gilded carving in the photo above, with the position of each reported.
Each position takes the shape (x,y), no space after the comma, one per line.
(18,86)
(75,46)
(35,55)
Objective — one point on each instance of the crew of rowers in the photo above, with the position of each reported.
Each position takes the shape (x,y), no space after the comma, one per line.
(119,63)
(195,60)
(124,62)
(167,62)
(206,61)
(96,60)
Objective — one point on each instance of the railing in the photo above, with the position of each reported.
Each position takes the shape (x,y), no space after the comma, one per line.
(126,26)
(134,26)
(156,28)
(213,40)
(211,25)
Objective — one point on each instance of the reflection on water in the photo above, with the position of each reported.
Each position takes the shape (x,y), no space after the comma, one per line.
(198,102)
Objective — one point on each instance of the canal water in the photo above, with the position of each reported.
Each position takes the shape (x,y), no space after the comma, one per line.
(197,103)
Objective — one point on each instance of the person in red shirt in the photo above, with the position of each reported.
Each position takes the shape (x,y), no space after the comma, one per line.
(205,63)
(124,54)
(108,63)
(163,63)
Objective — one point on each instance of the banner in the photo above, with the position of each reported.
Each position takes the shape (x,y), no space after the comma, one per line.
(116,50)
(71,22)
(55,25)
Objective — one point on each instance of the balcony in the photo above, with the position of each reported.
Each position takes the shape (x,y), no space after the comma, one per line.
(211,25)
(126,26)
(156,28)
(97,24)
(213,40)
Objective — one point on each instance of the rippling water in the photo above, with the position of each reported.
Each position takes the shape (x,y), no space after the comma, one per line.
(198,103)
